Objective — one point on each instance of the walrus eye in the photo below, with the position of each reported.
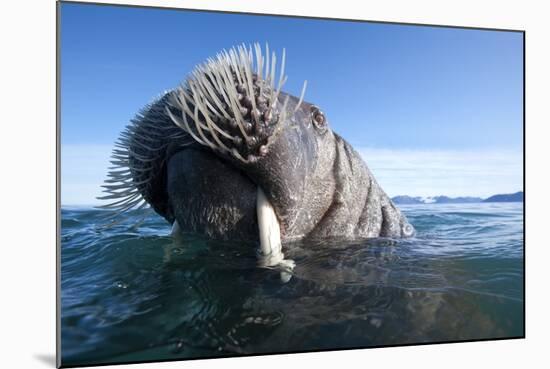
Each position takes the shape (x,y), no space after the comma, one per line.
(318,118)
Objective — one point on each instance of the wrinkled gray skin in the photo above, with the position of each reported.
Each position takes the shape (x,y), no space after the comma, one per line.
(317,183)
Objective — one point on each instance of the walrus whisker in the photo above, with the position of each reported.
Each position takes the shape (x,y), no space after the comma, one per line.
(282,70)
(200,80)
(119,185)
(198,124)
(282,81)
(217,102)
(211,125)
(126,142)
(207,89)
(250,90)
(117,196)
(275,100)
(123,200)
(119,210)
(123,184)
(259,61)
(233,100)
(238,155)
(222,86)
(233,60)
(184,125)
(127,152)
(120,161)
(154,135)
(118,178)
(128,190)
(185,112)
(279,127)
(302,94)
(229,86)
(134,135)
(284,111)
(125,174)
(140,157)
(272,77)
(117,204)
(113,169)
(130,170)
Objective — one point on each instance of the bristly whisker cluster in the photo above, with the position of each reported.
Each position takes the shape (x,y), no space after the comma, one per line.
(135,158)
(231,102)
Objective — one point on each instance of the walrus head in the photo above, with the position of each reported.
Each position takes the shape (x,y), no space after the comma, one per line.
(231,116)
(235,106)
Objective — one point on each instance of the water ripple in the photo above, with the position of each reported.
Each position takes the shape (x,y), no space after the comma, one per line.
(131,294)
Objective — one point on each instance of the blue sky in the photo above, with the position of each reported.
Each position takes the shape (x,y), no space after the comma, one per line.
(432,110)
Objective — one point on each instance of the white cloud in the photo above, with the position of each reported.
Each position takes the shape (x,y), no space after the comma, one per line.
(446,172)
(399,172)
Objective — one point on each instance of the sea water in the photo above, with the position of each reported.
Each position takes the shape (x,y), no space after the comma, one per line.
(130,293)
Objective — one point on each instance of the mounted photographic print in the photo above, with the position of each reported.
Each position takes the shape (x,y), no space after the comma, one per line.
(243,184)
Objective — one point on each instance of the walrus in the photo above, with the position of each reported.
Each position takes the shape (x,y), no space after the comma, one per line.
(229,155)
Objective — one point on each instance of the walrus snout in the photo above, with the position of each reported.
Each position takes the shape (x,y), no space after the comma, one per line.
(230,108)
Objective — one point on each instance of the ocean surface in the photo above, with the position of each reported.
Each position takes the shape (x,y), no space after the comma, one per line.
(132,294)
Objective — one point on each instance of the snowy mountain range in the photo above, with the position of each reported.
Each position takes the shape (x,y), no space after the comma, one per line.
(404,199)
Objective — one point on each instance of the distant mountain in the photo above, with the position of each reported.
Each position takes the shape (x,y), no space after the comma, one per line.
(407,200)
(512,197)
(410,200)
(456,200)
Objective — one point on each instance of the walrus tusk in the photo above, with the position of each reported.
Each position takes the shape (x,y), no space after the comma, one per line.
(176,230)
(270,233)
(270,252)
